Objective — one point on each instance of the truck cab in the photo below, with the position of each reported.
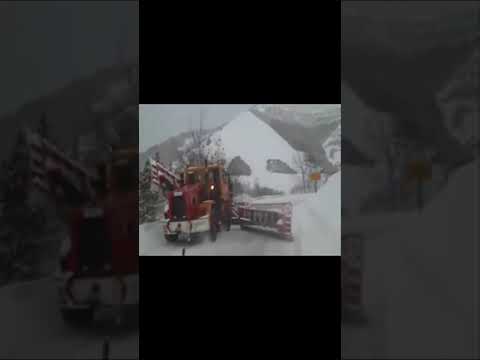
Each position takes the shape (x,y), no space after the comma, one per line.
(200,204)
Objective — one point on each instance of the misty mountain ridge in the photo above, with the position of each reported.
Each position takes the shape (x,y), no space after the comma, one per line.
(304,131)
(70,110)
(305,115)
(292,139)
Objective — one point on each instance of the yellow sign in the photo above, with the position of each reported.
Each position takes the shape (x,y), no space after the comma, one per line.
(314,176)
(420,170)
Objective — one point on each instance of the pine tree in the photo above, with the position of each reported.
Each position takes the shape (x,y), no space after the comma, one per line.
(148,198)
(43,128)
(21,223)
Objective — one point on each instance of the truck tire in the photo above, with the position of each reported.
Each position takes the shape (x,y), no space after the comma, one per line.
(228,219)
(77,317)
(171,237)
(132,317)
(227,222)
(213,230)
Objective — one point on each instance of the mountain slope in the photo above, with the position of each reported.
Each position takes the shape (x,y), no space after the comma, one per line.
(304,132)
(167,150)
(256,142)
(68,110)
(305,115)
(371,63)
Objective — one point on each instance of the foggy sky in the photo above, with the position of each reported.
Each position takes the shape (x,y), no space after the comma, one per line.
(159,122)
(453,10)
(47,44)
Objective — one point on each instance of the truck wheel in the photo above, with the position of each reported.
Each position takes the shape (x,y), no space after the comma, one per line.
(171,238)
(213,231)
(77,317)
(132,316)
(228,224)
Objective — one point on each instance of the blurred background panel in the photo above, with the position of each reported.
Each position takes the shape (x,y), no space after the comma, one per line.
(68,144)
(410,178)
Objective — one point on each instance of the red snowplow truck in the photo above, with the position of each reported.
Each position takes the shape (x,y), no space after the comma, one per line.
(98,262)
(199,205)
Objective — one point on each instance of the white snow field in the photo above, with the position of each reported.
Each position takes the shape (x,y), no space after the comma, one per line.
(332,146)
(255,142)
(315,226)
(421,278)
(31,327)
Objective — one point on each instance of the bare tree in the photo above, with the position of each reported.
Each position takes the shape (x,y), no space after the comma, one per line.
(380,133)
(301,166)
(198,148)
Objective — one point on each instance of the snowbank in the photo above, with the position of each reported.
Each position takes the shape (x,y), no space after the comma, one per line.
(150,236)
(317,220)
(428,263)
(32,327)
(438,263)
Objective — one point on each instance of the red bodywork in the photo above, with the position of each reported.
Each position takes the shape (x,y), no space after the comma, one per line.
(268,216)
(192,195)
(121,225)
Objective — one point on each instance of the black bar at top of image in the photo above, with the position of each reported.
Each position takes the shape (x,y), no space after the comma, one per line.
(243,55)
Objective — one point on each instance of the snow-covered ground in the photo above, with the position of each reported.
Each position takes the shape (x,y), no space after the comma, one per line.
(421,278)
(315,226)
(31,327)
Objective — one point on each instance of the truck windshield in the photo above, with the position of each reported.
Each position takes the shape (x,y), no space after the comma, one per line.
(125,175)
(178,207)
(95,247)
(190,178)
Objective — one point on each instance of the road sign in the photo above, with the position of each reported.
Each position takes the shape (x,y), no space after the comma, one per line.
(420,171)
(315,176)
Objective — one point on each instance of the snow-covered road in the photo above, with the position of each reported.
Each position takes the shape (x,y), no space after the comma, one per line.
(315,227)
(421,278)
(235,242)
(31,327)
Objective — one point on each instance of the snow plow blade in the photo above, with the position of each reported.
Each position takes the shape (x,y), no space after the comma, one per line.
(353,310)
(273,218)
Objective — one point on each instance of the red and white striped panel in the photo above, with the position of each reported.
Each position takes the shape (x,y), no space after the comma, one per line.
(161,175)
(235,213)
(274,216)
(352,274)
(44,157)
(286,224)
